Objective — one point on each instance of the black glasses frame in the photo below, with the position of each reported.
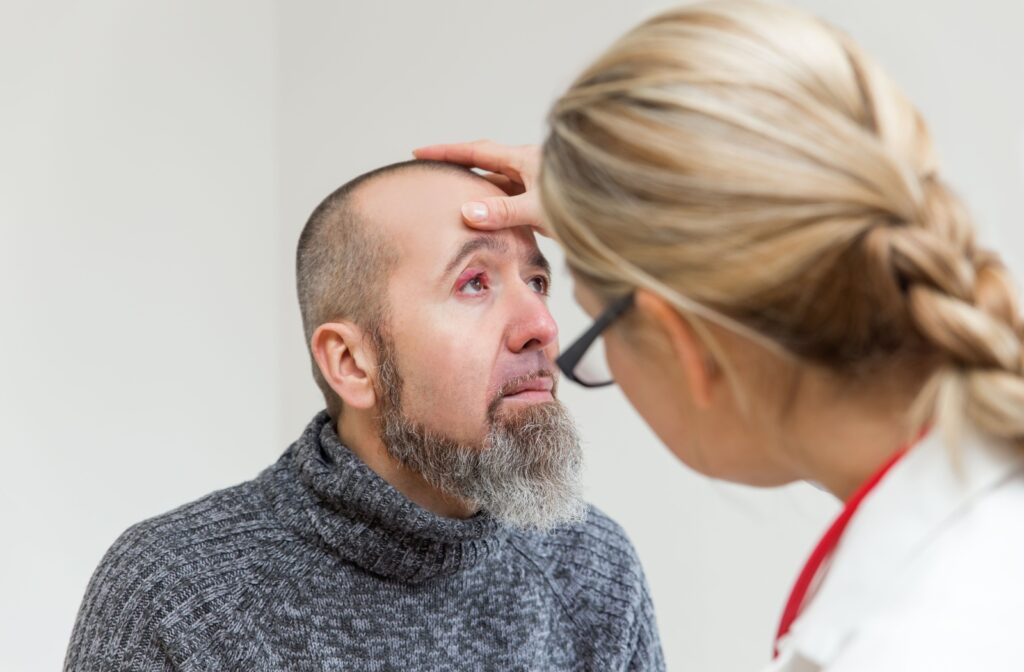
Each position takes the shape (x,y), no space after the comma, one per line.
(569,359)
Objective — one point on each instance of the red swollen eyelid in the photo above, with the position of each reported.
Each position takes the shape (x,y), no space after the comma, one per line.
(468,275)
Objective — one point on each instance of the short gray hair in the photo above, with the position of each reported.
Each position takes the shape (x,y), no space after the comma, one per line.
(341,259)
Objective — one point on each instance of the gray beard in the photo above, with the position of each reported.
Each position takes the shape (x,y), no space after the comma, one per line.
(526,473)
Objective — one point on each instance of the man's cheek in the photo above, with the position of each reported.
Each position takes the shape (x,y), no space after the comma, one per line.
(462,411)
(441,401)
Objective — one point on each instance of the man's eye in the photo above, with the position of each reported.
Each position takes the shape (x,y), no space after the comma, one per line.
(474,285)
(540,284)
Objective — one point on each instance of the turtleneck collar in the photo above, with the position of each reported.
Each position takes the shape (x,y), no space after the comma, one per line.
(328,495)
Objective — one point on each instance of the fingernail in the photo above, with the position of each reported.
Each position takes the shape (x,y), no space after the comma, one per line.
(474,211)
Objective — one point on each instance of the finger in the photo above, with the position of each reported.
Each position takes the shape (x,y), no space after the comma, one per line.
(504,212)
(485,154)
(510,187)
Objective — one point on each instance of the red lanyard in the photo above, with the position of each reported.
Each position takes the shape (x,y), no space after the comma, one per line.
(828,544)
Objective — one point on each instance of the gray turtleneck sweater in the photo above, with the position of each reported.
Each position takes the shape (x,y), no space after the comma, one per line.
(319,564)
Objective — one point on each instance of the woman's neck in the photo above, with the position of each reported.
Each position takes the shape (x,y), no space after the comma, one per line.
(839,439)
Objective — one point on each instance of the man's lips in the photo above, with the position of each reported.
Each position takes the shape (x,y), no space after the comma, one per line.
(534,389)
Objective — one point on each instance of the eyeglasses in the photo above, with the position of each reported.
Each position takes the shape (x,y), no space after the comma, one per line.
(584,361)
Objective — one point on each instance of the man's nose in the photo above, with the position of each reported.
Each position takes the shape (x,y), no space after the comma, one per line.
(531,327)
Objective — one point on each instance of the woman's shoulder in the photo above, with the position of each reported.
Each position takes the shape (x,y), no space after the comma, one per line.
(978,554)
(960,602)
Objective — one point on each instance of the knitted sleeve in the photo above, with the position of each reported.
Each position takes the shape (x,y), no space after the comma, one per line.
(598,576)
(647,654)
(115,628)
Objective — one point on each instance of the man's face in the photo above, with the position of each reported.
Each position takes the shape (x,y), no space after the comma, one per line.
(467,309)
(466,383)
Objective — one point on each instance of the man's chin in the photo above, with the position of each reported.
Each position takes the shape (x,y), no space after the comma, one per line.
(524,473)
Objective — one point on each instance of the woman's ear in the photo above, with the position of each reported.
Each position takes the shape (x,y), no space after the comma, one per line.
(696,360)
(342,353)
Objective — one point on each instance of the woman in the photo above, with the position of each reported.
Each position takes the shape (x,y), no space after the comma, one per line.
(787,289)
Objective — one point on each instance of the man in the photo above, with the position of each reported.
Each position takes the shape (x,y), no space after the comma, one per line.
(429,518)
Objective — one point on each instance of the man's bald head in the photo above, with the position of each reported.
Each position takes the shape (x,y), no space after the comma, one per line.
(342,259)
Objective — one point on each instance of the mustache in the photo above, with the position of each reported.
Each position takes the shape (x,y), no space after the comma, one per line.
(511,384)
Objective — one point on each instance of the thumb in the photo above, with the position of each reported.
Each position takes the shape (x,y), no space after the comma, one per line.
(501,212)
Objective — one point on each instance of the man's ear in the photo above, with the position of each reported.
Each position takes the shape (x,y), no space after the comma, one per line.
(342,352)
(695,359)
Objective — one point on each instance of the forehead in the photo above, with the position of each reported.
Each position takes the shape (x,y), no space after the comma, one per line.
(418,211)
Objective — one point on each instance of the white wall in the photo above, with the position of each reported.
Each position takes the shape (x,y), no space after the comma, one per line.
(157,162)
(138,207)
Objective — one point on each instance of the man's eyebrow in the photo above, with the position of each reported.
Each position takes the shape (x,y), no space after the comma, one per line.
(492,243)
(538,260)
(474,244)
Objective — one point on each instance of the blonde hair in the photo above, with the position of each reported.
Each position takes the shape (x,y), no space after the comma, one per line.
(748,163)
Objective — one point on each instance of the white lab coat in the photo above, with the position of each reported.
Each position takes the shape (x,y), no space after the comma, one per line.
(929,574)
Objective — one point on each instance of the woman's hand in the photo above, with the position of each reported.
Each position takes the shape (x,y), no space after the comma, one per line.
(513,169)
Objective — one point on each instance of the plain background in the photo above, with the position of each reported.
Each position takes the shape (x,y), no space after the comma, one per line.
(157,162)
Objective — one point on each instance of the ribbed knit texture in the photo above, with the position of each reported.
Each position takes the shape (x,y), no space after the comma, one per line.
(319,564)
